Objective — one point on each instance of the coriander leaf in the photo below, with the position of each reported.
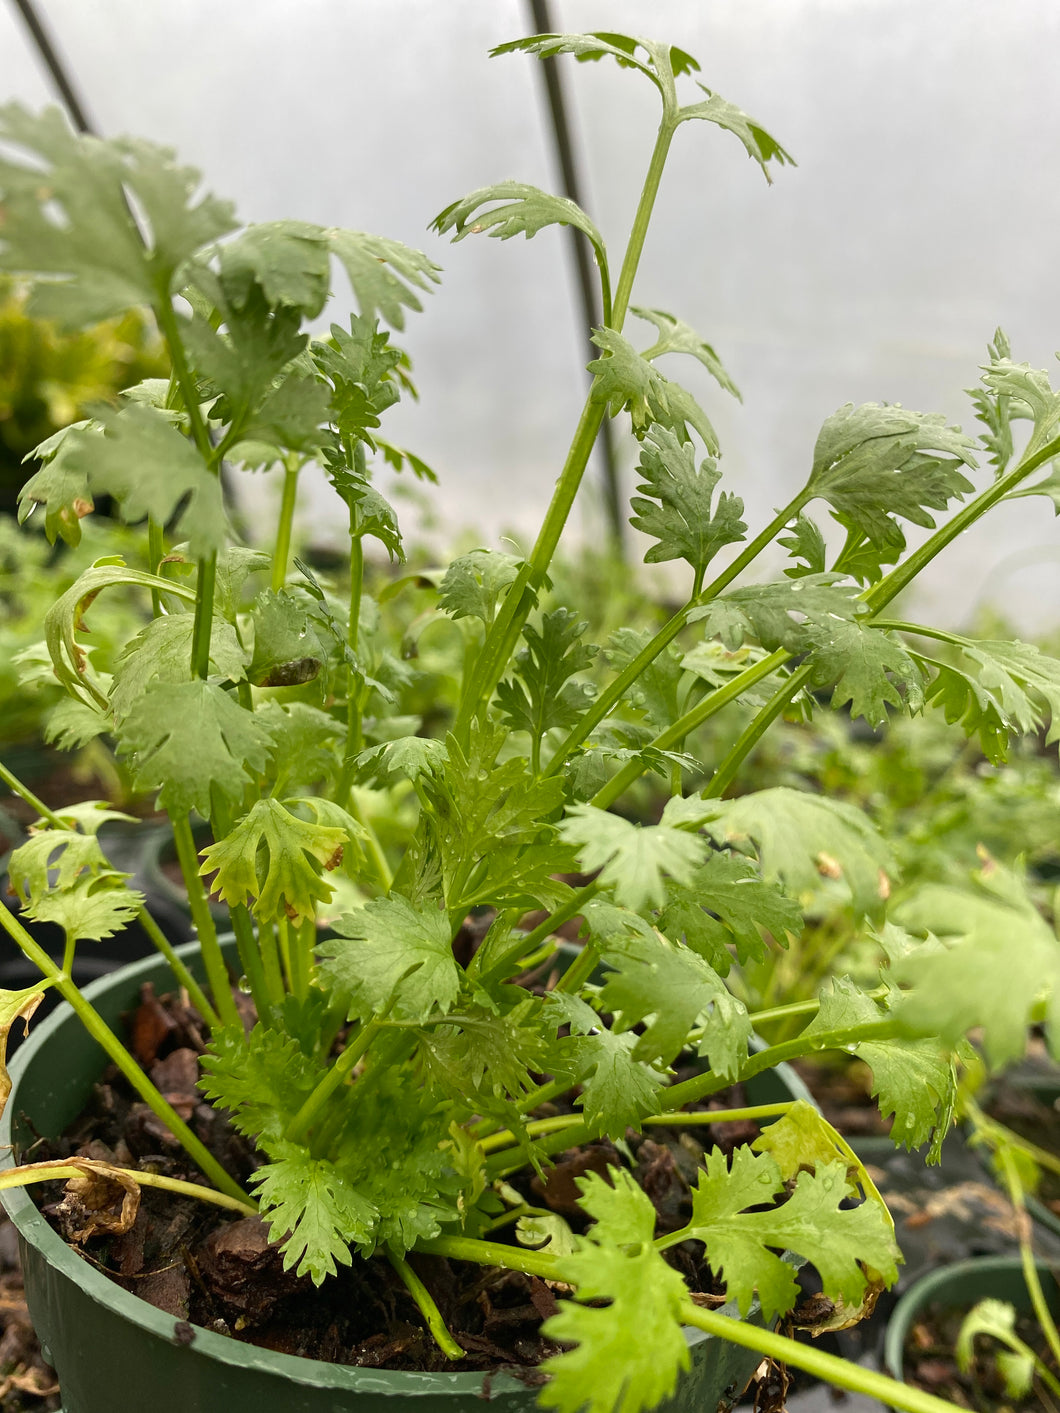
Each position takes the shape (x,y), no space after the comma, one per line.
(656,690)
(161,652)
(876,464)
(91,908)
(473,584)
(915,1080)
(522,210)
(190,738)
(406,758)
(1000,692)
(726,904)
(289,418)
(488,1055)
(675,336)
(683,521)
(361,365)
(617,1090)
(61,485)
(996,411)
(811,1223)
(871,669)
(631,858)
(52,859)
(72,724)
(286,649)
(599,44)
(68,216)
(392,957)
(542,696)
(804,541)
(152,471)
(276,858)
(628,1355)
(373,513)
(800,838)
(625,380)
(262,1079)
(757,143)
(307,745)
(314,1211)
(1030,389)
(784,614)
(242,362)
(998,961)
(385,274)
(667,988)
(235,564)
(288,260)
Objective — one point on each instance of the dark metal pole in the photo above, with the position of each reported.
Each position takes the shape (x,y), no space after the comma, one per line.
(564,151)
(54,65)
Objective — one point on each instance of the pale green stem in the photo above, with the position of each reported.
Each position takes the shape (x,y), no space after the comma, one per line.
(526,942)
(425,1302)
(794,1008)
(1029,1264)
(212,957)
(289,500)
(492,1253)
(156,549)
(195,992)
(539,1127)
(754,731)
(828,1367)
(62,1170)
(336,1076)
(98,1029)
(16,787)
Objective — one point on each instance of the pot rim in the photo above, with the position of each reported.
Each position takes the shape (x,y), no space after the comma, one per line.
(34,1229)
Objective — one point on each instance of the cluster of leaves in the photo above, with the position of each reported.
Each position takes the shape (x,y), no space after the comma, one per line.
(393,1075)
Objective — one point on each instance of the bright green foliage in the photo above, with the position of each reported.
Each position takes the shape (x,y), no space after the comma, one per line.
(801,838)
(872,670)
(262,1083)
(757,143)
(473,584)
(542,696)
(392,958)
(790,614)
(914,1080)
(190,739)
(617,1090)
(996,410)
(656,689)
(385,274)
(997,1320)
(675,336)
(278,859)
(313,1208)
(726,904)
(659,61)
(241,364)
(63,876)
(804,541)
(997,689)
(96,249)
(684,522)
(306,745)
(742,1245)
(490,1054)
(1001,959)
(286,260)
(520,210)
(405,758)
(669,988)
(61,485)
(1030,389)
(286,649)
(632,859)
(92,908)
(161,652)
(627,1356)
(877,464)
(626,381)
(67,853)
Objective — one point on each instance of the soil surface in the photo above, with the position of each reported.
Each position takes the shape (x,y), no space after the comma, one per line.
(205,1268)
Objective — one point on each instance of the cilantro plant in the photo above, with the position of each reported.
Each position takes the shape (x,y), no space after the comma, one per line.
(399,1073)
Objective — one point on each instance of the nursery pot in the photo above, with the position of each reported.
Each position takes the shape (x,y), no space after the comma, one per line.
(110,1349)
(960,1286)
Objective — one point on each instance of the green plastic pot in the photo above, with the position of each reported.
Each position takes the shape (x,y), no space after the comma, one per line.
(111,1349)
(960,1286)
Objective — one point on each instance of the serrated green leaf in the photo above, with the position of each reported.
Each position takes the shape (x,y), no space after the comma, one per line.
(276,858)
(261,1079)
(61,485)
(286,649)
(161,652)
(804,541)
(686,522)
(289,418)
(542,697)
(152,471)
(617,1090)
(307,745)
(243,361)
(599,44)
(811,1224)
(520,210)
(72,724)
(757,143)
(785,614)
(385,274)
(392,957)
(675,336)
(488,1055)
(632,859)
(190,738)
(52,858)
(315,1211)
(1031,390)
(473,584)
(801,837)
(872,670)
(289,260)
(95,253)
(876,464)
(628,1355)
(406,758)
(93,907)
(726,904)
(626,381)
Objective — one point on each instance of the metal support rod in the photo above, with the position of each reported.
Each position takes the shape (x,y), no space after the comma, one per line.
(54,65)
(564,152)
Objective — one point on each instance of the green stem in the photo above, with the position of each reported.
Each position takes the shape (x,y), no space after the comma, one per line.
(580,970)
(428,1309)
(336,1076)
(16,787)
(700,713)
(156,548)
(1029,1264)
(195,992)
(491,1253)
(827,1367)
(289,500)
(557,1124)
(527,942)
(102,1034)
(641,221)
(753,733)
(62,1170)
(253,964)
(202,630)
(212,957)
(793,1008)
